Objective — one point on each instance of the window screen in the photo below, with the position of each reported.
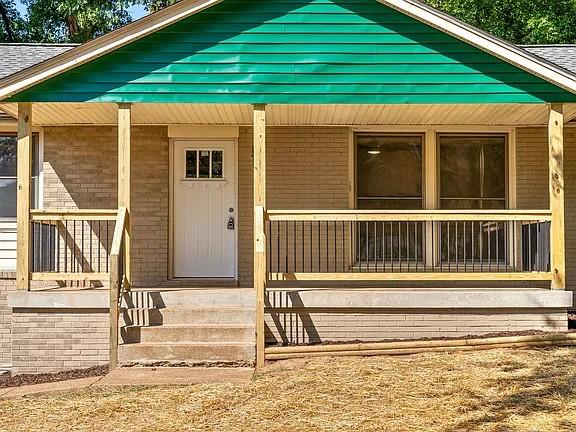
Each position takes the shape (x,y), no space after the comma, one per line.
(472,172)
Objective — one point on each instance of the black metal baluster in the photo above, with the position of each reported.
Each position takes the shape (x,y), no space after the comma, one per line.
(400,246)
(481,231)
(294,246)
(449,246)
(456,245)
(319,248)
(65,246)
(416,244)
(375,247)
(440,243)
(302,265)
(392,247)
(530,266)
(311,247)
(57,247)
(40,263)
(497,246)
(343,246)
(408,254)
(465,241)
(327,247)
(384,247)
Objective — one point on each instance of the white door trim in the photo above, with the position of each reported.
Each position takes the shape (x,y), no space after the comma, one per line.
(171,144)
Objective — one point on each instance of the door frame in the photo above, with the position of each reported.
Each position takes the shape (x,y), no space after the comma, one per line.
(171,163)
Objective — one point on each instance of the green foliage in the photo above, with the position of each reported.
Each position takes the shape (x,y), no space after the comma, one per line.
(74,20)
(156,5)
(518,21)
(12,26)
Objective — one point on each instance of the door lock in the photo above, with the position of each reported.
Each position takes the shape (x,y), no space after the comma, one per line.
(230,223)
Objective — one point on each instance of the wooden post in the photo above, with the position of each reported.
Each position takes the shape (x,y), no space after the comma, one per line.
(430,199)
(556,161)
(124,178)
(259,124)
(23,195)
(115,284)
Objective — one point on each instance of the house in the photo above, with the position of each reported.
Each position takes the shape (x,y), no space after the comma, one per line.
(224,175)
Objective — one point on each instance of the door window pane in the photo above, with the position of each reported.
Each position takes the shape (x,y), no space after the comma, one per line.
(205,164)
(204,167)
(217,164)
(191,164)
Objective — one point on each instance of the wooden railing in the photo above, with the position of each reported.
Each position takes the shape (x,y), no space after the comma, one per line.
(117,281)
(71,245)
(408,245)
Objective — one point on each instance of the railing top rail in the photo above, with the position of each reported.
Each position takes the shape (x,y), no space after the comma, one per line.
(409,215)
(119,231)
(73,214)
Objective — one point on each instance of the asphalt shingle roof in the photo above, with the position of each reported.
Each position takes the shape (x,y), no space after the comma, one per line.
(561,55)
(15,57)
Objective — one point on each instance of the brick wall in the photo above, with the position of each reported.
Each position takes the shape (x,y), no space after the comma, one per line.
(7,283)
(307,168)
(80,171)
(297,326)
(53,340)
(532,183)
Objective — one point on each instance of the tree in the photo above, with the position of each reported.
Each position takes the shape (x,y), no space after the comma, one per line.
(156,5)
(11,23)
(74,20)
(518,21)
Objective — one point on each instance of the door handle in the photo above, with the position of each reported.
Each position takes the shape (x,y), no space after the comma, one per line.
(230,223)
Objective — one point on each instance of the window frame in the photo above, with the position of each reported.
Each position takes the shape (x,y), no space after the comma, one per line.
(431,178)
(204,179)
(37,171)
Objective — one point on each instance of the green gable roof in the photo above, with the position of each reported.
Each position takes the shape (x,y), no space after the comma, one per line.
(297,51)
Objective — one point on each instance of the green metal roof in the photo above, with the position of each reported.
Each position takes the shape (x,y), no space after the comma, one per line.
(298,51)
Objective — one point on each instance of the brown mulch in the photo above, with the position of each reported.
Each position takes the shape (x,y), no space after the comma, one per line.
(446,338)
(7,380)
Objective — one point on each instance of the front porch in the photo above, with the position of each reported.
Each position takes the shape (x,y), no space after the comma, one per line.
(302,242)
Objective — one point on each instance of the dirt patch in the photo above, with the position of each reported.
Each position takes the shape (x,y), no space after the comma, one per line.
(7,380)
(483,336)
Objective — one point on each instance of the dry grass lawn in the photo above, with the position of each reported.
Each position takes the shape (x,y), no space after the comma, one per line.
(499,390)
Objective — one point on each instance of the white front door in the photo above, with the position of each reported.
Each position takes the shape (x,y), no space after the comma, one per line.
(204,209)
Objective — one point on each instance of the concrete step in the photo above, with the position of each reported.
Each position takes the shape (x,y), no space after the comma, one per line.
(189,315)
(189,333)
(193,353)
(197,298)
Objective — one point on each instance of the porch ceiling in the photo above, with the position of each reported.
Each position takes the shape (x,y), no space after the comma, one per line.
(46,114)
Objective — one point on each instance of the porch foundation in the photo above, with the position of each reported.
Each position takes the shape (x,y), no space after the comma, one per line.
(53,332)
(336,315)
